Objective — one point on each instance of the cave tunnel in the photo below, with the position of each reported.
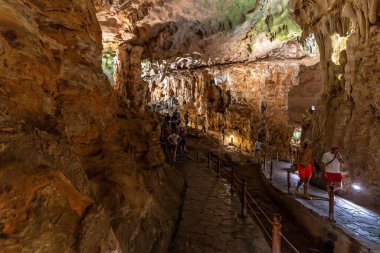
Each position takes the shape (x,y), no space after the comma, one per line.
(189,126)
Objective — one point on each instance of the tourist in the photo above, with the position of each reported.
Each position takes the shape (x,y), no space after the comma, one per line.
(165,128)
(174,125)
(167,118)
(186,119)
(257,148)
(204,124)
(331,162)
(173,141)
(176,116)
(183,134)
(305,168)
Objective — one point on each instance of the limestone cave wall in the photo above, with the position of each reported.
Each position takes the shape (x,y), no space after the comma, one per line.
(232,98)
(78,173)
(348,113)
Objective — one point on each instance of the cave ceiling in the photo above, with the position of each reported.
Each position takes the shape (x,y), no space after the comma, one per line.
(209,31)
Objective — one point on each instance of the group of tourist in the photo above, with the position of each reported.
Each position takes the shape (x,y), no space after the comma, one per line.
(174,133)
(331,163)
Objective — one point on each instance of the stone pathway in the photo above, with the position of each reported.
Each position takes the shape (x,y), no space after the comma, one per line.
(360,223)
(211,221)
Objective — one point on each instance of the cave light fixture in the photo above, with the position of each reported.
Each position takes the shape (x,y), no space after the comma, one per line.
(356,187)
(232,140)
(339,43)
(312,108)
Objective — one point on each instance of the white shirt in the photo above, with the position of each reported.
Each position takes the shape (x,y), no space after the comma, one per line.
(174,139)
(258,145)
(334,166)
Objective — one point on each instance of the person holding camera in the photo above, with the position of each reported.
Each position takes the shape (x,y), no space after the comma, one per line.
(332,161)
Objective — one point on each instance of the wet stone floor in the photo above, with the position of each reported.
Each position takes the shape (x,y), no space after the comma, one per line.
(211,217)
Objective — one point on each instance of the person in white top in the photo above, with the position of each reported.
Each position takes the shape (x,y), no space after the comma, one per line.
(173,141)
(332,161)
(257,147)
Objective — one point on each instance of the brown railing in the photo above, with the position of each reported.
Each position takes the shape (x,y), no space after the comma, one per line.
(248,203)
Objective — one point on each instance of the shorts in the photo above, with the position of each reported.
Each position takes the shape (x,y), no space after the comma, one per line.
(172,146)
(305,172)
(333,177)
(182,142)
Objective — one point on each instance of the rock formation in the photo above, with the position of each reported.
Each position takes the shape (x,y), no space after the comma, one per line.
(78,172)
(233,96)
(348,113)
(181,56)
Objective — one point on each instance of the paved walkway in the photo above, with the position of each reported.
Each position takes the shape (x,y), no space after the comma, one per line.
(211,220)
(361,223)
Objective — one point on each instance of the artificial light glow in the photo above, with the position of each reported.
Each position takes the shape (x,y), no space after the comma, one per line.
(232,139)
(338,44)
(356,187)
(313,108)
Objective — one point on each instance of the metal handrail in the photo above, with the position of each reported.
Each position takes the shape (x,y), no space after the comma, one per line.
(236,180)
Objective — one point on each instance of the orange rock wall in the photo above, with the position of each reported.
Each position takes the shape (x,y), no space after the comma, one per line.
(77,172)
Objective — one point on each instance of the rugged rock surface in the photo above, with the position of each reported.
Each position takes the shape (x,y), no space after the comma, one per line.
(77,172)
(233,96)
(348,113)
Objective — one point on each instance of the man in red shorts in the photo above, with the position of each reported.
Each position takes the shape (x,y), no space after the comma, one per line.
(332,161)
(305,168)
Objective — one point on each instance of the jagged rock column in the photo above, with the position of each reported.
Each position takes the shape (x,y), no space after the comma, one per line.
(132,89)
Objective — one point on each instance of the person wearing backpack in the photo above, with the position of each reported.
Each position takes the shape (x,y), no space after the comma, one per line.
(331,162)
(186,119)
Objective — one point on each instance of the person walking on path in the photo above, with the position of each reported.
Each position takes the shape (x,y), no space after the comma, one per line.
(257,147)
(183,134)
(196,121)
(186,119)
(331,162)
(173,141)
(305,168)
(204,124)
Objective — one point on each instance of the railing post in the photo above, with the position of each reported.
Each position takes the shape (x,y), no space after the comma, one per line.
(289,185)
(218,174)
(244,200)
(197,153)
(265,161)
(271,170)
(331,204)
(232,180)
(208,161)
(276,234)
